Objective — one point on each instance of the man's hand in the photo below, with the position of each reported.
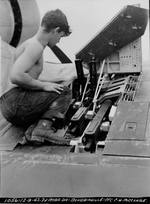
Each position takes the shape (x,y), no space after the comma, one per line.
(49,86)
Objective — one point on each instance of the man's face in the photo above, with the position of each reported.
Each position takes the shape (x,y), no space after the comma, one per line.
(55,36)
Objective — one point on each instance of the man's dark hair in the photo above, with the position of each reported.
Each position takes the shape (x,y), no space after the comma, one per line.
(53,19)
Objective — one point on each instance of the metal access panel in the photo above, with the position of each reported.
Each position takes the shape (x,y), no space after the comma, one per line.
(143,92)
(128,25)
(127,148)
(126,60)
(130,121)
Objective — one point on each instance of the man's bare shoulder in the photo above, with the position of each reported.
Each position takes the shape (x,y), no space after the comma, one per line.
(34,44)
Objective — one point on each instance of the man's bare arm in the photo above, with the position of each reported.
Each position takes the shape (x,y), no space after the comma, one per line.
(20,71)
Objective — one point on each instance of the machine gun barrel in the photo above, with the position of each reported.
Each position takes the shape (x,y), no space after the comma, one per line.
(92,131)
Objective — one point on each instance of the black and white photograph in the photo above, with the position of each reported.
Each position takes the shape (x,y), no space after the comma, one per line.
(74,101)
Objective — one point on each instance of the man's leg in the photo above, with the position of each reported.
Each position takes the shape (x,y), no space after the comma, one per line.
(60,106)
(24,107)
(48,124)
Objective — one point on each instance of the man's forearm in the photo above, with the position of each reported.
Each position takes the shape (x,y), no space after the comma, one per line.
(26,81)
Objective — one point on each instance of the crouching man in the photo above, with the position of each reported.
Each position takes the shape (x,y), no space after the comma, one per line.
(32,103)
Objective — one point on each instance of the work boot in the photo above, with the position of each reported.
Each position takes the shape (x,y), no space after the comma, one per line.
(28,136)
(45,130)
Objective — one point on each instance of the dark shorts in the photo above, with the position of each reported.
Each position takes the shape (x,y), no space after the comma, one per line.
(23,107)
